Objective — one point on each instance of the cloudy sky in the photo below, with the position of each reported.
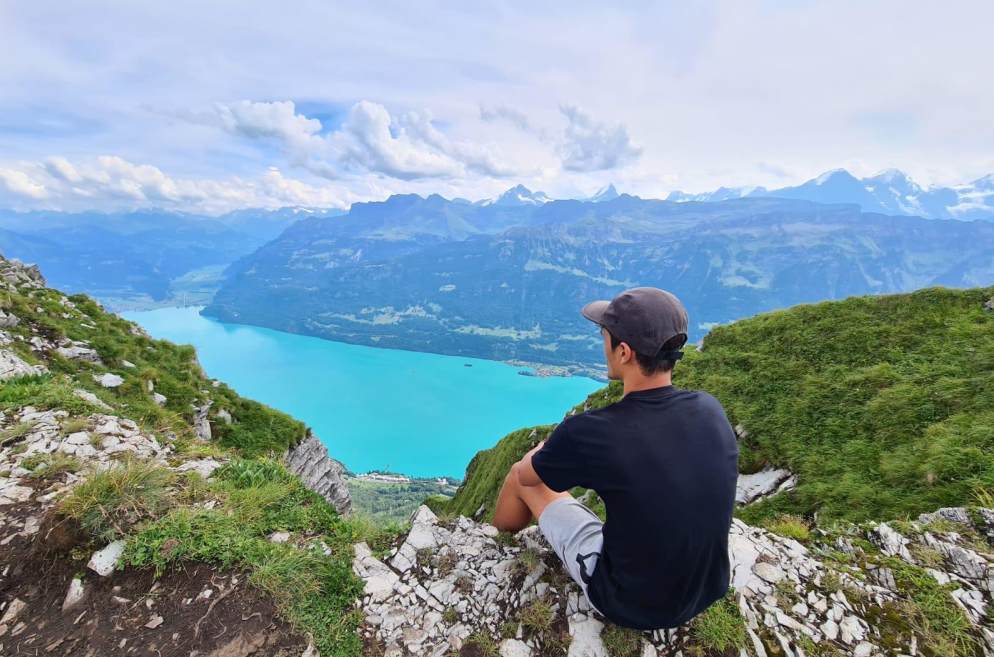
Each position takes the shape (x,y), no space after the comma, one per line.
(209,106)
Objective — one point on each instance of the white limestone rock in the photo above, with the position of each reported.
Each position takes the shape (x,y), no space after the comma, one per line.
(88,396)
(80,351)
(75,594)
(12,366)
(104,561)
(204,467)
(108,379)
(766,482)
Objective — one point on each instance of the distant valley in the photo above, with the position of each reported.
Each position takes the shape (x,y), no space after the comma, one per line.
(140,259)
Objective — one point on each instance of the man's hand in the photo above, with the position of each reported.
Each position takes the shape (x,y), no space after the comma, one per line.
(526,472)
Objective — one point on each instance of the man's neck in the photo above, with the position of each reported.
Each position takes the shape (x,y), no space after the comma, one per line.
(640,382)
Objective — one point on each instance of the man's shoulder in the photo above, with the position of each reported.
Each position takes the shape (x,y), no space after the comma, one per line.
(612,412)
(703,397)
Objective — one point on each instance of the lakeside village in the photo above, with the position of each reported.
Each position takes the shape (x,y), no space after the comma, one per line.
(396,478)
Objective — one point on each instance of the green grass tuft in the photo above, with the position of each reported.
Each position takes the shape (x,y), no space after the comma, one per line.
(108,503)
(790,526)
(485,643)
(720,627)
(14,433)
(621,641)
(536,617)
(940,624)
(48,466)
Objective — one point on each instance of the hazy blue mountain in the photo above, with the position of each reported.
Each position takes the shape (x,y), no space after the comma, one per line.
(888,192)
(720,194)
(429,274)
(138,258)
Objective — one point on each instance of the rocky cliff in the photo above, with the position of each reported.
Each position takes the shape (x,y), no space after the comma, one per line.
(324,475)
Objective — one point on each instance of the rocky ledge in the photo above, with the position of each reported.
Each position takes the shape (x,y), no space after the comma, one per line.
(917,588)
(310,461)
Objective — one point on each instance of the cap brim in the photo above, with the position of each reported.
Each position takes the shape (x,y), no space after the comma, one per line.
(594,311)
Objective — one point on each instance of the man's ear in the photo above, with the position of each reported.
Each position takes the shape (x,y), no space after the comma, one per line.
(626,352)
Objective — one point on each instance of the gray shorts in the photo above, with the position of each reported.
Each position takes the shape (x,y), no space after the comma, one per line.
(577,536)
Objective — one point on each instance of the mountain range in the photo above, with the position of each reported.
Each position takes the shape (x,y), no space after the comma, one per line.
(888,192)
(505,281)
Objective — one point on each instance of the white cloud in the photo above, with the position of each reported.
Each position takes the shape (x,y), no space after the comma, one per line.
(370,140)
(19,183)
(278,120)
(709,91)
(366,142)
(509,114)
(111,182)
(593,146)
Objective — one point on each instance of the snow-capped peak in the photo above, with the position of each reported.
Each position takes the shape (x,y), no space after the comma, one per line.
(519,195)
(828,175)
(608,193)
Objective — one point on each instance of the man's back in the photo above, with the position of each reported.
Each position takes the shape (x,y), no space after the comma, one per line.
(664,462)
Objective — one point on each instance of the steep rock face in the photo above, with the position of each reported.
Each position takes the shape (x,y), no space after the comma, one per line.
(860,593)
(324,475)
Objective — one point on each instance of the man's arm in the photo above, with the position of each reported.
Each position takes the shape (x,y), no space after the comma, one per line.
(526,471)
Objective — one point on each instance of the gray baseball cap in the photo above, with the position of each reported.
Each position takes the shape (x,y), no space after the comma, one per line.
(644,317)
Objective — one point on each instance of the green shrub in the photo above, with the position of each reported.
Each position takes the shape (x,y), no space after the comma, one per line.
(246,473)
(485,643)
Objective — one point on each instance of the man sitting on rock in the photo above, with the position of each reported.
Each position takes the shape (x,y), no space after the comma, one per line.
(663,459)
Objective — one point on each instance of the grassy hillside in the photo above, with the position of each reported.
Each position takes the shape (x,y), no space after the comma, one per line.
(173,520)
(171,369)
(883,405)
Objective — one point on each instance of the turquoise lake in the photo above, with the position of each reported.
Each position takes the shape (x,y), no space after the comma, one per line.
(376,409)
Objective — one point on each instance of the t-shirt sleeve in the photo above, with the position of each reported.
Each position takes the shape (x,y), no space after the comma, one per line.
(560,464)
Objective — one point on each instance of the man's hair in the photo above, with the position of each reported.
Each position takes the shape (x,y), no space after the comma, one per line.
(652,364)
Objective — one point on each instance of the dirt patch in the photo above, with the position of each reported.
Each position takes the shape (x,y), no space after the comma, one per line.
(193,611)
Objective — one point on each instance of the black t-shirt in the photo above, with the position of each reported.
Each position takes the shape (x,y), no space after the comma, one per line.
(664,462)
